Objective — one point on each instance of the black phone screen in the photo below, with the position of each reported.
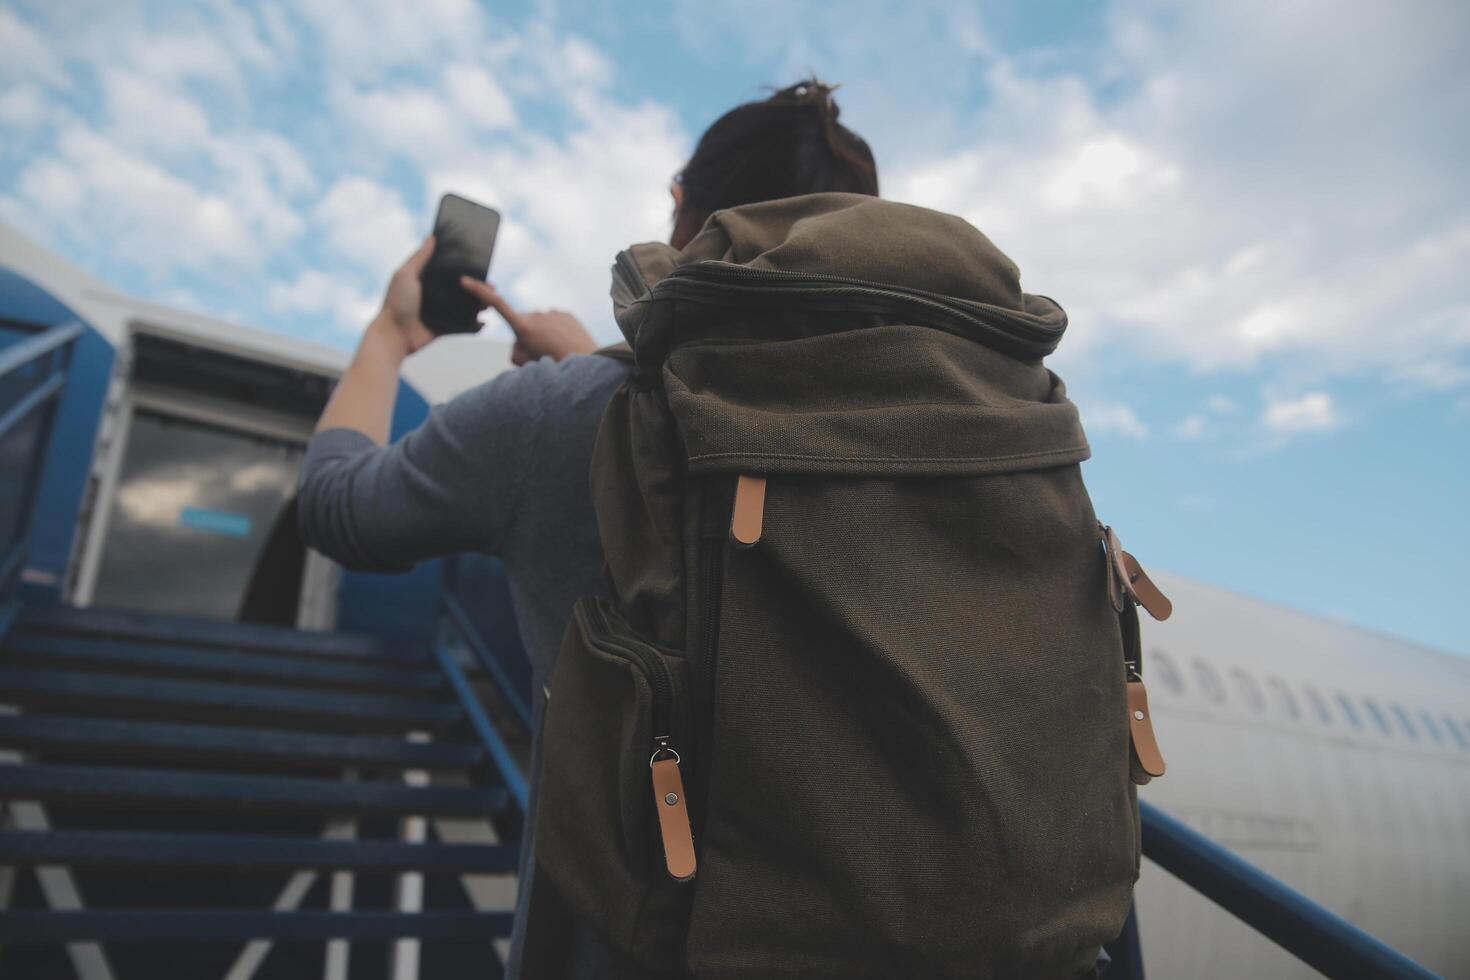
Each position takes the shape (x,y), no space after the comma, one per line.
(464,237)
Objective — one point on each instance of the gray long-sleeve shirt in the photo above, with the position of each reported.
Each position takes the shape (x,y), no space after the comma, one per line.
(502,469)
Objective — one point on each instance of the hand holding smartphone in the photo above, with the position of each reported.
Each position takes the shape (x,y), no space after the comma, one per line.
(464,238)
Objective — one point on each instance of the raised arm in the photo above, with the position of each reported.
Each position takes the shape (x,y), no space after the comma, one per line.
(363,399)
(452,484)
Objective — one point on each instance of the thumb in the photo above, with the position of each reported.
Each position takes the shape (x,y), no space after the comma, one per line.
(420,258)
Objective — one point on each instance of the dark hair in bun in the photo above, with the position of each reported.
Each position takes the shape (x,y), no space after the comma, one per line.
(783,146)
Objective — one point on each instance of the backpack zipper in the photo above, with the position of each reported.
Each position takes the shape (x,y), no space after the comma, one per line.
(709,615)
(671,806)
(657,672)
(1015,330)
(713,534)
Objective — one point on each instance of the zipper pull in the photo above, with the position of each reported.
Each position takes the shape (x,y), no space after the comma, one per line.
(749,511)
(673,811)
(1148,761)
(1143,590)
(1128,581)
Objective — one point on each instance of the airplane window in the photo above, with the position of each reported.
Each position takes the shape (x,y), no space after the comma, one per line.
(1427,720)
(1210,681)
(1376,713)
(1284,697)
(1320,705)
(1455,733)
(1406,722)
(1248,689)
(1159,664)
(1348,711)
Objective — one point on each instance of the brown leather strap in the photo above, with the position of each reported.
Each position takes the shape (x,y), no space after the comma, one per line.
(1127,579)
(1143,590)
(673,818)
(1141,731)
(749,511)
(1130,587)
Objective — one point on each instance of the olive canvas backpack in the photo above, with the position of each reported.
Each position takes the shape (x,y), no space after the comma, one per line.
(866,699)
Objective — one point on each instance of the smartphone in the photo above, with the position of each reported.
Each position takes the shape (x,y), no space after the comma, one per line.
(464,237)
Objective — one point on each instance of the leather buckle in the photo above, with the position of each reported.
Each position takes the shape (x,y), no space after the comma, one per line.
(1128,581)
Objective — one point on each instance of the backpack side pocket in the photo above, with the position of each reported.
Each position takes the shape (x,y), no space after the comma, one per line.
(616,709)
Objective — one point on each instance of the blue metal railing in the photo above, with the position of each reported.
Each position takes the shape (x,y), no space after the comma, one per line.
(454,620)
(1318,937)
(32,376)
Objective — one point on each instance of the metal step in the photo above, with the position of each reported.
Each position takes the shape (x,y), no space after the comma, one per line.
(242,852)
(207,701)
(195,925)
(41,649)
(279,794)
(211,632)
(225,745)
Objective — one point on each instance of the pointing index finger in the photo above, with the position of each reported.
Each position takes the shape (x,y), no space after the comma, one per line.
(491,297)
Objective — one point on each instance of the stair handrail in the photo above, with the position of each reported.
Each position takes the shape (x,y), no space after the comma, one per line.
(455,620)
(53,345)
(456,615)
(1304,928)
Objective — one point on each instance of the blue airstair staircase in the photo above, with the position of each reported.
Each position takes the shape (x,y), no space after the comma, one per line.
(222,729)
(234,799)
(217,783)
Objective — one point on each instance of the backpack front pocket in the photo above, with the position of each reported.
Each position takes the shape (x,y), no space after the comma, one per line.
(613,730)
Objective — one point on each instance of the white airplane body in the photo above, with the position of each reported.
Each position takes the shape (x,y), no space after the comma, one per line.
(1370,818)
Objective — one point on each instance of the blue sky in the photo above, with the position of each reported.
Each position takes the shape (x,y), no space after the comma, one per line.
(1255,212)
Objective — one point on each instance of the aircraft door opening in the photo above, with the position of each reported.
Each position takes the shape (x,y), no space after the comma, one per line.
(192,503)
(192,510)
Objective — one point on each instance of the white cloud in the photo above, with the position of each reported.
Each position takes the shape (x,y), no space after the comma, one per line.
(153,176)
(23,106)
(344,307)
(1311,412)
(1109,171)
(27,54)
(1192,427)
(97,192)
(1432,375)
(254,477)
(161,498)
(427,123)
(176,57)
(1114,417)
(366,39)
(180,169)
(158,500)
(153,116)
(1292,201)
(411,120)
(478,97)
(1221,405)
(366,223)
